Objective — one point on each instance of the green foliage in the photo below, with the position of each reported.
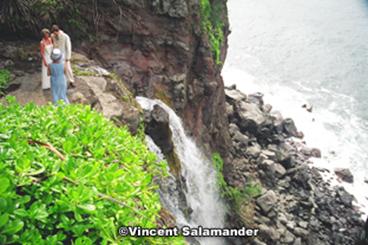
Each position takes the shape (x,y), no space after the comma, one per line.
(234,195)
(16,13)
(4,79)
(213,26)
(105,181)
(24,16)
(79,71)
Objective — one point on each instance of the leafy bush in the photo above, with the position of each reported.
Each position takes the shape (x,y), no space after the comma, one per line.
(4,79)
(69,176)
(213,26)
(236,196)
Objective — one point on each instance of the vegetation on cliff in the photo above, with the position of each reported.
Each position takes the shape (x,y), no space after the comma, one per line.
(69,175)
(235,195)
(4,79)
(22,17)
(213,25)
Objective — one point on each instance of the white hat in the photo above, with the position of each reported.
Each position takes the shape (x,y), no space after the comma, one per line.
(56,54)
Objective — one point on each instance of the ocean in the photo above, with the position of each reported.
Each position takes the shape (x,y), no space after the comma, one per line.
(309,52)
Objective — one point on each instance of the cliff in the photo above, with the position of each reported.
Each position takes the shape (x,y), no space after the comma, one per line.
(173,50)
(167,49)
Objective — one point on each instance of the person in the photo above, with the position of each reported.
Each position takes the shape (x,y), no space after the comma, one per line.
(62,41)
(57,71)
(46,47)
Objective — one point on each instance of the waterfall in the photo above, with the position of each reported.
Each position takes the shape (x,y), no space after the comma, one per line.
(200,177)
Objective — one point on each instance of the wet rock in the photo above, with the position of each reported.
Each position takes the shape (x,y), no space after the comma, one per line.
(308,108)
(267,108)
(256,98)
(344,196)
(290,128)
(233,96)
(344,174)
(157,126)
(267,201)
(311,152)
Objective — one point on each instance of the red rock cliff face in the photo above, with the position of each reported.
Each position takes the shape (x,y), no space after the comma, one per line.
(159,49)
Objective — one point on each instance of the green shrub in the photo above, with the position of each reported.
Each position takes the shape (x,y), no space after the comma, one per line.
(235,195)
(69,176)
(4,79)
(213,26)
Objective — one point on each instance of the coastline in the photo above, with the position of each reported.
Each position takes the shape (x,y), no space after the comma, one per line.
(297,204)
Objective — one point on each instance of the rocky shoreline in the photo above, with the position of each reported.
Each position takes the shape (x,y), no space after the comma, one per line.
(297,206)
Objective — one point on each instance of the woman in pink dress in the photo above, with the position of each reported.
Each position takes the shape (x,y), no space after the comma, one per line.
(46,48)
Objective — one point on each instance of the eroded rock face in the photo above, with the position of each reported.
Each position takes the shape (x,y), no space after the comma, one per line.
(160,51)
(157,126)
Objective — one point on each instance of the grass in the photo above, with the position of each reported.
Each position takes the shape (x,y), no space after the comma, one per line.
(4,79)
(69,176)
(78,71)
(237,197)
(213,25)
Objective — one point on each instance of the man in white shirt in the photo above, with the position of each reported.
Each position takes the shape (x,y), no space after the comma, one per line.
(61,40)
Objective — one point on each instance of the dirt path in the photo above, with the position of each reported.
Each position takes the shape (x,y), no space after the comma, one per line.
(30,90)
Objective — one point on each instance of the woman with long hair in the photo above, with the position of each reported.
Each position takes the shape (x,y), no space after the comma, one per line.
(46,48)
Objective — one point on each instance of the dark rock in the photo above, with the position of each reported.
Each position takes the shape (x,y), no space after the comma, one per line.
(157,126)
(269,233)
(290,128)
(344,196)
(256,98)
(344,174)
(233,96)
(172,8)
(242,139)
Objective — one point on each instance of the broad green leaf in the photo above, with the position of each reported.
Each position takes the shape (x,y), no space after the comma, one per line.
(4,184)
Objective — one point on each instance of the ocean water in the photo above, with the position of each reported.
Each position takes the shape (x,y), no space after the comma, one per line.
(309,52)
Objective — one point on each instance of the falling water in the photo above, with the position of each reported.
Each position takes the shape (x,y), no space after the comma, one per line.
(201,193)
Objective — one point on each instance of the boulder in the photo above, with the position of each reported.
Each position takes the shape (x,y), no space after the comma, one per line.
(256,98)
(251,117)
(233,95)
(344,174)
(267,201)
(240,138)
(344,196)
(311,152)
(254,151)
(290,128)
